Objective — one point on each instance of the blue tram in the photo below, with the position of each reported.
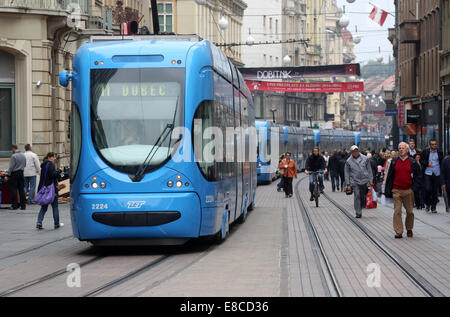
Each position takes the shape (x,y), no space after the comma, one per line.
(301,141)
(128,183)
(297,141)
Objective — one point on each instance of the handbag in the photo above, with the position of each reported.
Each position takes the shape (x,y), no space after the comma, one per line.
(46,195)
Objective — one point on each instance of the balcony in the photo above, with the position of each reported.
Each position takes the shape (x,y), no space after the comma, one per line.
(58,5)
(410,32)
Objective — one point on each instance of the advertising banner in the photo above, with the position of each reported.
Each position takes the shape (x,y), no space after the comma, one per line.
(324,87)
(274,73)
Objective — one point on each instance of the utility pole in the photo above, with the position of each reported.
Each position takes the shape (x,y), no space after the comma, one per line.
(155,17)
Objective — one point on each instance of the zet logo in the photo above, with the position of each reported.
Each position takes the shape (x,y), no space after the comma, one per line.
(135,204)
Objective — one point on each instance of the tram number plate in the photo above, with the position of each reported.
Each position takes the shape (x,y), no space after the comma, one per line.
(99,206)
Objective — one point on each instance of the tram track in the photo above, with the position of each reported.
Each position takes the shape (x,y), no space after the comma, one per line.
(180,259)
(412,274)
(36,247)
(45,278)
(321,257)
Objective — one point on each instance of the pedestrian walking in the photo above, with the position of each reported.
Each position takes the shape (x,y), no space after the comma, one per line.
(280,185)
(333,169)
(30,173)
(358,175)
(342,162)
(418,188)
(445,177)
(326,157)
(373,165)
(401,181)
(290,171)
(412,148)
(49,175)
(315,163)
(431,160)
(15,178)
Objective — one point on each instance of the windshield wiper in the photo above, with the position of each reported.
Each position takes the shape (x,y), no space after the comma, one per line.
(162,137)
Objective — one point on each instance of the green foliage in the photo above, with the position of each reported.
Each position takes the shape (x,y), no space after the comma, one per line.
(375,69)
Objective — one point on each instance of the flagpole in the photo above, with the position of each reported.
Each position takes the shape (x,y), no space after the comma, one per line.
(382,9)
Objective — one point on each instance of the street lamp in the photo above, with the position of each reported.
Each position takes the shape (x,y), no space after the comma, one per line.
(273,110)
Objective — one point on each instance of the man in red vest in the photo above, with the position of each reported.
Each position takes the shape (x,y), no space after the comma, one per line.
(403,176)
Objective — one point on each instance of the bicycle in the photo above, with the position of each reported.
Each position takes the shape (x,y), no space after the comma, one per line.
(316,192)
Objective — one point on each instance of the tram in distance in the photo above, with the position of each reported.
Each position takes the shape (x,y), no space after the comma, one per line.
(128,98)
(301,141)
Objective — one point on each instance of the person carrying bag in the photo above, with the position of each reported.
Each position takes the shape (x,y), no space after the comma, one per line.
(48,190)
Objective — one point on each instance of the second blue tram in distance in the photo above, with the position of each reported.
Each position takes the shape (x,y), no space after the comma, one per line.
(128,98)
(301,141)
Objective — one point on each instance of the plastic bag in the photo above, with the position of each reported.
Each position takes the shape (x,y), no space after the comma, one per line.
(370,203)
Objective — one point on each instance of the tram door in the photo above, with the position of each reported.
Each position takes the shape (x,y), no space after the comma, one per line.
(238,150)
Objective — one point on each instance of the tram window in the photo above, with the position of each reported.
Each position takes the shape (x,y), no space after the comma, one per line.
(75,141)
(123,136)
(203,120)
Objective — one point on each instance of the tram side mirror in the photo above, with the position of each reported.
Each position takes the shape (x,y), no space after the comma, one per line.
(64,78)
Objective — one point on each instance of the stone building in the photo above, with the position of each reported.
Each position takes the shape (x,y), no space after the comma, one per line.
(189,17)
(417,45)
(38,39)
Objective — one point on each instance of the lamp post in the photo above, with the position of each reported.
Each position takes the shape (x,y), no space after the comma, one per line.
(273,110)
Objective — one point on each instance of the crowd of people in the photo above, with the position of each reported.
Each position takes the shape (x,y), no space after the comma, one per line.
(21,177)
(408,178)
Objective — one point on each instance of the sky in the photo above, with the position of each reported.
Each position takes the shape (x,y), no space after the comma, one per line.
(372,34)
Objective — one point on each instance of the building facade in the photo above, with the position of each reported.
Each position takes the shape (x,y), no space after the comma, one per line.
(38,39)
(418,40)
(188,17)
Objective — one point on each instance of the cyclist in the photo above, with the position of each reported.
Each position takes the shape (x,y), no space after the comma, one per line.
(315,163)
(289,172)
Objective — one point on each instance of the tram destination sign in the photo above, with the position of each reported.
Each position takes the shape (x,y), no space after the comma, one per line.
(275,73)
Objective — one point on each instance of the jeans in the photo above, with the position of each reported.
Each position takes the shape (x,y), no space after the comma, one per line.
(281,183)
(432,183)
(334,180)
(419,198)
(360,192)
(311,182)
(342,175)
(55,212)
(30,182)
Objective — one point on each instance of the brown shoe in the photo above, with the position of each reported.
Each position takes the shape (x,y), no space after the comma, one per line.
(409,234)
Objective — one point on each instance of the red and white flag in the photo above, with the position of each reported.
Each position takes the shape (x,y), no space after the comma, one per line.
(378,15)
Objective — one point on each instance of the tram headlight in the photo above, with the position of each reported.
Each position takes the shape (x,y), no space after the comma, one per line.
(179,184)
(259,164)
(169,184)
(102,185)
(94,185)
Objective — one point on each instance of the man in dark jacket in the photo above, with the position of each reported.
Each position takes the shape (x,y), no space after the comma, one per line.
(333,168)
(315,163)
(418,184)
(400,185)
(16,178)
(431,160)
(445,176)
(342,162)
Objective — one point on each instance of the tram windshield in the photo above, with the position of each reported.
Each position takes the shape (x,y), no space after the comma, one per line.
(130,108)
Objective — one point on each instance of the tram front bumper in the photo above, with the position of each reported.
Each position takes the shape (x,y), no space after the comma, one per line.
(136,216)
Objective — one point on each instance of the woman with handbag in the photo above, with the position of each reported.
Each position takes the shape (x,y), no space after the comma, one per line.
(48,190)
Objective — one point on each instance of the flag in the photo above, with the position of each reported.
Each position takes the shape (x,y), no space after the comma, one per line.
(378,15)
